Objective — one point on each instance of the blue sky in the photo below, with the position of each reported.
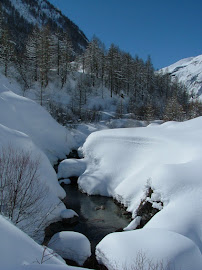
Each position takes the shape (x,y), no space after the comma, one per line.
(166,30)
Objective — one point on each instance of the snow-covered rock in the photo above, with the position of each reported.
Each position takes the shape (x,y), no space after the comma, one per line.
(189,72)
(64,181)
(71,167)
(68,213)
(123,163)
(148,247)
(133,224)
(71,245)
(69,216)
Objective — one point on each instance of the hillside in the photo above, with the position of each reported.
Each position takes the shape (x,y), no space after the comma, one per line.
(23,15)
(189,72)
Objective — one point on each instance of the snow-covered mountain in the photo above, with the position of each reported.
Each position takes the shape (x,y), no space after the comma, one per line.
(189,72)
(23,15)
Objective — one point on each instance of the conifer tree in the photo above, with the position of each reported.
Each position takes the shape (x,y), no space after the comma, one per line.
(6,45)
(173,110)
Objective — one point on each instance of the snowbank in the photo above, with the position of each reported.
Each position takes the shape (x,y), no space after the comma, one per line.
(148,247)
(25,115)
(123,163)
(71,245)
(52,205)
(20,252)
(71,167)
(18,249)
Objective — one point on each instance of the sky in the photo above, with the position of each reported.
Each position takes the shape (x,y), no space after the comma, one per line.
(166,30)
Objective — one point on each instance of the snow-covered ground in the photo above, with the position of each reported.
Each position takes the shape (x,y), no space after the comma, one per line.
(19,249)
(52,205)
(26,127)
(26,116)
(148,249)
(20,252)
(123,163)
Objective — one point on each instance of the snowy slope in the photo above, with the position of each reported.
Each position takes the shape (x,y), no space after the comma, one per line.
(17,248)
(24,14)
(19,251)
(123,163)
(25,115)
(52,206)
(189,72)
(28,127)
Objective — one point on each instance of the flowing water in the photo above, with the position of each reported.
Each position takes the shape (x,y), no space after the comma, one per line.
(98,215)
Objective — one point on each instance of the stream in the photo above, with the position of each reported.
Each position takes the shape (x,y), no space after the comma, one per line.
(98,215)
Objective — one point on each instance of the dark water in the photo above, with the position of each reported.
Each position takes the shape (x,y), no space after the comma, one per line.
(94,224)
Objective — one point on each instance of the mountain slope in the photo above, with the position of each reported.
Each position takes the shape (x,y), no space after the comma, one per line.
(23,15)
(189,72)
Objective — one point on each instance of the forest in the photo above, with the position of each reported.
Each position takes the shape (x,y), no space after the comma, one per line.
(133,85)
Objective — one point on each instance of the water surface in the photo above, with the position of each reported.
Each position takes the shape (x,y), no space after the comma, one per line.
(94,223)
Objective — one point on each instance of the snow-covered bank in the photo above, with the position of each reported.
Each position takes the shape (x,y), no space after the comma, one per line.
(26,127)
(148,249)
(19,249)
(123,163)
(26,116)
(20,252)
(51,204)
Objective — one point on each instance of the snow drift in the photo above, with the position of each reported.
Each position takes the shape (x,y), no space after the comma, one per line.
(26,116)
(148,249)
(123,163)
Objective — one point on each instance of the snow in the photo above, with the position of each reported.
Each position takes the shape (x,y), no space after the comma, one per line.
(71,245)
(123,163)
(26,126)
(133,224)
(46,267)
(24,10)
(18,249)
(65,181)
(189,72)
(26,116)
(68,213)
(148,247)
(20,252)
(71,167)
(52,205)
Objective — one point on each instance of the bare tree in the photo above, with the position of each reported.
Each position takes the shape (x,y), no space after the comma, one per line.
(21,193)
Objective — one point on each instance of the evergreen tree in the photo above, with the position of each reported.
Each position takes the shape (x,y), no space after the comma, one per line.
(7,52)
(173,110)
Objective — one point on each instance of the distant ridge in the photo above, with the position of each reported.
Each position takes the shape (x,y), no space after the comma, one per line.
(189,72)
(23,15)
